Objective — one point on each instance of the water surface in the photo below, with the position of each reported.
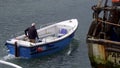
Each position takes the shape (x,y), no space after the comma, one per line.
(17,15)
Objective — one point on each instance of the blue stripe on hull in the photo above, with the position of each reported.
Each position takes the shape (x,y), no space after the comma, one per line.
(32,52)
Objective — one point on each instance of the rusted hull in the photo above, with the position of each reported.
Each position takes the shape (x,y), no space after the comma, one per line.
(103,37)
(104,56)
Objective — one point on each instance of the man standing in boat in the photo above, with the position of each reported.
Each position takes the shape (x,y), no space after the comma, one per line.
(31,33)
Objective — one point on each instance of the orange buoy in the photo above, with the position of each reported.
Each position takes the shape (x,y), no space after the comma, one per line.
(115,1)
(39,49)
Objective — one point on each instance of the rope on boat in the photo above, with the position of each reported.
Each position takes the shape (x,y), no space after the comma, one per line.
(10,64)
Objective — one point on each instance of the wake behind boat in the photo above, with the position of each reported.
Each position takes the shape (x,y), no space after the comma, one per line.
(53,38)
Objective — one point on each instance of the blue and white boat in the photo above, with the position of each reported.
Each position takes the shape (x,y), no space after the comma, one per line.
(53,38)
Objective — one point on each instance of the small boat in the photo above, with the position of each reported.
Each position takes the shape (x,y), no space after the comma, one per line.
(103,37)
(53,38)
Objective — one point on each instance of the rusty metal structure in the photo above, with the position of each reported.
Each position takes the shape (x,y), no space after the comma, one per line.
(103,37)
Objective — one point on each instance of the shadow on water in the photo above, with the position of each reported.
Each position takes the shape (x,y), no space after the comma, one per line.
(57,58)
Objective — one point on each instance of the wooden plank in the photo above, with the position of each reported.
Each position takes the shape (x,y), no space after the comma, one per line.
(102,41)
(106,22)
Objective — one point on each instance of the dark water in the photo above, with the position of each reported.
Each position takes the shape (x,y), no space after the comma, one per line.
(16,15)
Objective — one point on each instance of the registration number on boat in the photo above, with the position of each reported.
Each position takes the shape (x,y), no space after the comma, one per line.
(114,57)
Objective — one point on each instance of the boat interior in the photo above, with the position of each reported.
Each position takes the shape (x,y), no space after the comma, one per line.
(49,33)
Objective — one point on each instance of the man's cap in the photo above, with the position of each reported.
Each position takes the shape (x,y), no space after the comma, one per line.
(33,24)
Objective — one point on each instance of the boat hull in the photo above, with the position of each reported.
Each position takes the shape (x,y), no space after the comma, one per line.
(40,50)
(104,56)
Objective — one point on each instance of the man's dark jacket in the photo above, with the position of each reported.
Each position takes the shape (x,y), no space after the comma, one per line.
(31,32)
